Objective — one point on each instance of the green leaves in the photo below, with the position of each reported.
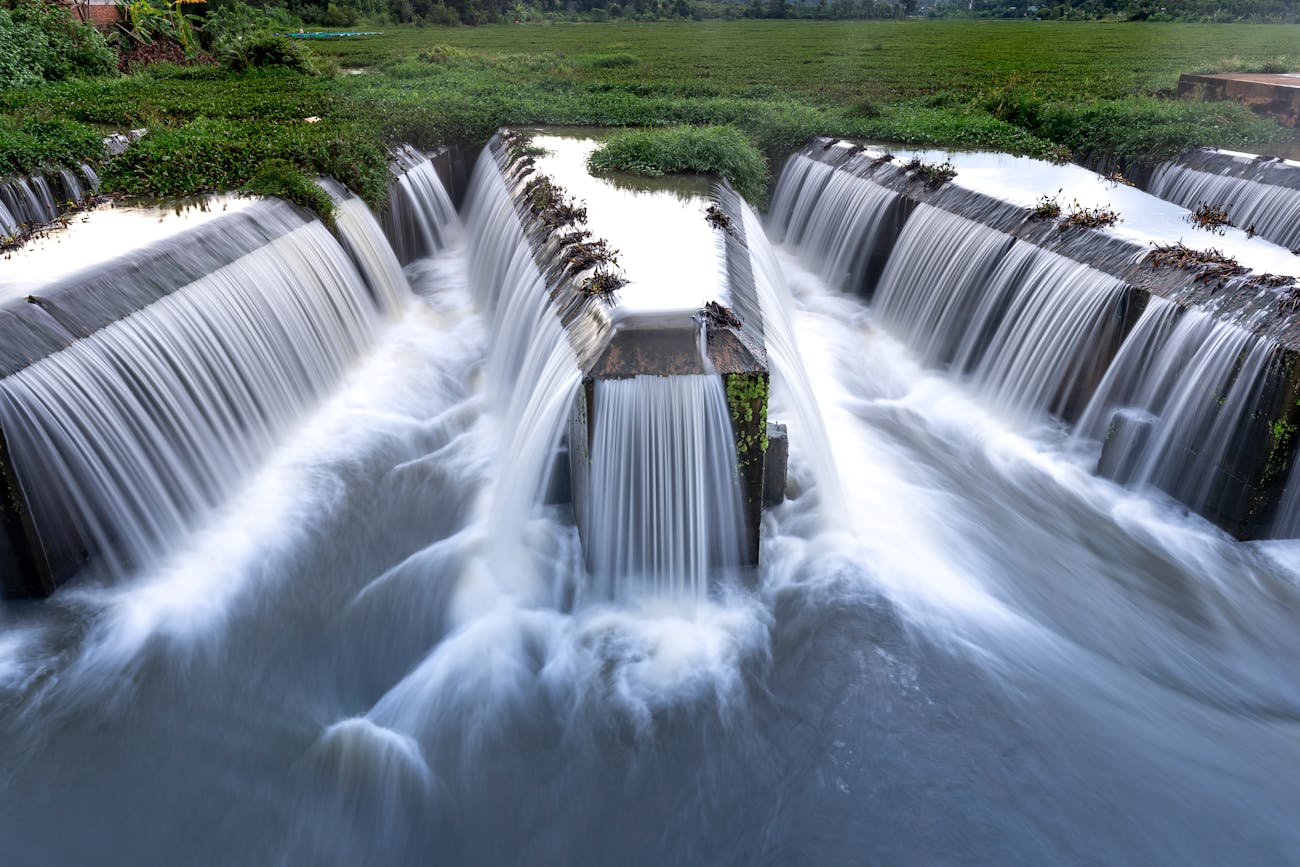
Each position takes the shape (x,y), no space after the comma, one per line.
(716,150)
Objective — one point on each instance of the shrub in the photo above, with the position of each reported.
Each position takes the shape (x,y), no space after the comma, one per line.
(619,60)
(215,155)
(243,38)
(40,42)
(717,150)
(277,177)
(263,50)
(43,144)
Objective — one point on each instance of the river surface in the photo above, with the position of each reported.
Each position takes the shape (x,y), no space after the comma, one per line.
(992,657)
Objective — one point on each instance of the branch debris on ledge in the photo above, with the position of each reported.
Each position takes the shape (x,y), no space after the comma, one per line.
(718,219)
(1208,264)
(720,316)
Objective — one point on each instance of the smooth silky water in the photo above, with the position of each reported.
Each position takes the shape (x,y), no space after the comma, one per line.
(375,649)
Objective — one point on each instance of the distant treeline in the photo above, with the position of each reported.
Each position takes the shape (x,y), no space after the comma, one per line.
(1212,11)
(346,13)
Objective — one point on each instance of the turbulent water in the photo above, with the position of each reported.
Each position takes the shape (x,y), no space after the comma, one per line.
(989,656)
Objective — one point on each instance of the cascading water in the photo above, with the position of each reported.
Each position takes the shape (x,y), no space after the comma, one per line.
(840,222)
(665,511)
(1027,325)
(995,657)
(774,302)
(420,211)
(1270,210)
(25,202)
(124,439)
(364,239)
(1169,409)
(72,190)
(532,370)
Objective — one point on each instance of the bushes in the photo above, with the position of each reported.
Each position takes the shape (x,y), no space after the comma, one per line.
(1137,127)
(43,144)
(41,43)
(213,155)
(242,38)
(263,50)
(277,177)
(718,150)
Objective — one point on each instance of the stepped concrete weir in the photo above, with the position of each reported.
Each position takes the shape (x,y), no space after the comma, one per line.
(1171,350)
(137,392)
(653,284)
(1258,194)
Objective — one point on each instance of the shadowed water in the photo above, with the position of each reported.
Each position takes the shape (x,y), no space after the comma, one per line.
(993,658)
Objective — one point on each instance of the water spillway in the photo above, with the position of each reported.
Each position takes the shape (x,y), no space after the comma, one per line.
(386,647)
(420,211)
(140,391)
(1258,194)
(1196,396)
(29,202)
(656,501)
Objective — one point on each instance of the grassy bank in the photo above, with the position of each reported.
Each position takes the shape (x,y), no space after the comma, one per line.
(1040,88)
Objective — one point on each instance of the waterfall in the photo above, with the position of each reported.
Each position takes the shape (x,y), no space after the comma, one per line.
(840,223)
(775,305)
(25,202)
(1271,210)
(123,439)
(1028,326)
(665,508)
(1174,403)
(72,189)
(420,214)
(364,239)
(532,369)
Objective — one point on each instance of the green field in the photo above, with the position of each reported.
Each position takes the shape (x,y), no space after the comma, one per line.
(850,61)
(1051,89)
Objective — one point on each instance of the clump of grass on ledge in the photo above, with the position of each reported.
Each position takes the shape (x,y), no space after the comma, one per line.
(718,219)
(1211,218)
(1048,207)
(281,178)
(1089,218)
(602,282)
(716,150)
(552,205)
(586,255)
(934,175)
(1208,264)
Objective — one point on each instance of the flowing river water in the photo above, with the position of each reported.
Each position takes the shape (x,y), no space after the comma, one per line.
(985,655)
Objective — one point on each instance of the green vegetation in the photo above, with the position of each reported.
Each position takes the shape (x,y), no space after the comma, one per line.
(219,154)
(747,401)
(276,177)
(1088,218)
(1282,431)
(933,175)
(345,13)
(706,150)
(44,144)
(1048,89)
(1048,207)
(40,42)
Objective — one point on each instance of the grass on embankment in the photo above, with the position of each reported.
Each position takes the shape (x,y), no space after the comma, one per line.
(715,150)
(1036,88)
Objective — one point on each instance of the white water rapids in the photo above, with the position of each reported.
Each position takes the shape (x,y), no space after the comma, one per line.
(991,656)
